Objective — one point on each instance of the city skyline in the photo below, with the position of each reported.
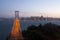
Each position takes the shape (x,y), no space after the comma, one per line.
(27,8)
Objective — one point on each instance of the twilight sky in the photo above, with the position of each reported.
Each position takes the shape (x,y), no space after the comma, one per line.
(29,8)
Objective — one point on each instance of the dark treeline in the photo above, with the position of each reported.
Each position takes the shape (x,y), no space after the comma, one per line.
(48,31)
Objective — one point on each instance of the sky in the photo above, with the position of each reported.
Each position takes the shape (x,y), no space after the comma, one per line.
(27,8)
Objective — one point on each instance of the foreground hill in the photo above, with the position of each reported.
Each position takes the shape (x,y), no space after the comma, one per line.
(48,31)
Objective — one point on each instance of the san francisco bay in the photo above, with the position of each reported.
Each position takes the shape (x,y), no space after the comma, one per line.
(6,26)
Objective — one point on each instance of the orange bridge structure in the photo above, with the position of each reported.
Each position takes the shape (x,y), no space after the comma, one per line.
(16,33)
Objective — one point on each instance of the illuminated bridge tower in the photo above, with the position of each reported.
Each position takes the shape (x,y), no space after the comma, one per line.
(16,33)
(17,14)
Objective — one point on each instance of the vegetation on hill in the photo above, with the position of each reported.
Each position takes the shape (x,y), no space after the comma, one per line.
(48,31)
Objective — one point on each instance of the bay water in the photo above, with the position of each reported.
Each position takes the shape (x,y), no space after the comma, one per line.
(6,26)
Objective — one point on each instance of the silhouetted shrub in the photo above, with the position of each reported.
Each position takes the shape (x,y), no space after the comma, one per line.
(48,31)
